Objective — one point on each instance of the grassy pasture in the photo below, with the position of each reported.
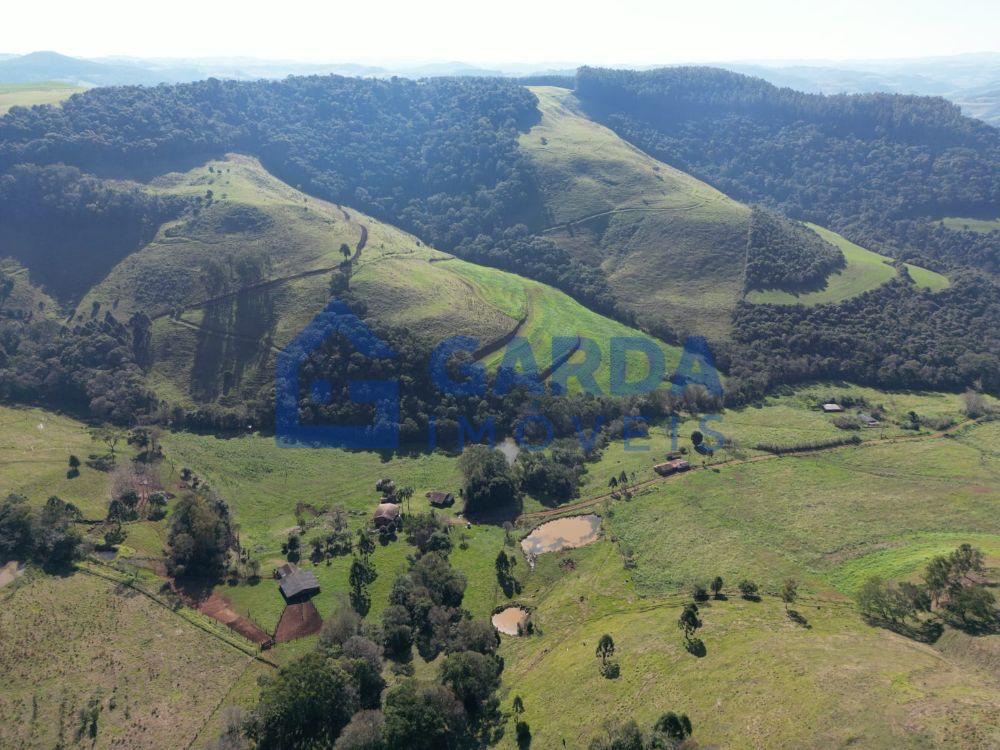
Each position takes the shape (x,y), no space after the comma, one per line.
(30,94)
(983,226)
(70,641)
(35,446)
(223,350)
(852,685)
(865,271)
(828,519)
(551,313)
(673,247)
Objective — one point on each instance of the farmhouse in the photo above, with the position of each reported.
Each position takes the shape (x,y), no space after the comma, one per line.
(671,467)
(441,499)
(868,420)
(386,514)
(296,584)
(832,408)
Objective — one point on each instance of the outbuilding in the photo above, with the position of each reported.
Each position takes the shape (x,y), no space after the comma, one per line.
(295,584)
(441,499)
(832,408)
(386,514)
(671,467)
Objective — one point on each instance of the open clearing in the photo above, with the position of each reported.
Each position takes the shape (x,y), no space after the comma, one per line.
(673,247)
(76,641)
(30,94)
(983,226)
(865,271)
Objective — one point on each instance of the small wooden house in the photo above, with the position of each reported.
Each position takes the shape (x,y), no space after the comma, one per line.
(671,467)
(295,584)
(832,408)
(441,499)
(868,420)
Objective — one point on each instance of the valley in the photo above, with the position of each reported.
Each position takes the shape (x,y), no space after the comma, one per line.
(789,536)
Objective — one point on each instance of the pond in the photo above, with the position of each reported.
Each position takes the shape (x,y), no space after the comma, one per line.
(563,533)
(508,620)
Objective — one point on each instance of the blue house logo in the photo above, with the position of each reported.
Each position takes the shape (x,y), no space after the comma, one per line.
(381,434)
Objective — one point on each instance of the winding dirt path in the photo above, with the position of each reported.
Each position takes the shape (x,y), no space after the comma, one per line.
(633,209)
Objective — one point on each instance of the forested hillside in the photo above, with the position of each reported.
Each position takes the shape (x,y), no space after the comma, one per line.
(438,157)
(878,168)
(877,165)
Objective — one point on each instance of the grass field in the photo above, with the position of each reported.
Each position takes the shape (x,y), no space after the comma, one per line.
(75,641)
(673,247)
(35,446)
(551,313)
(221,347)
(852,685)
(865,271)
(976,225)
(30,94)
(828,519)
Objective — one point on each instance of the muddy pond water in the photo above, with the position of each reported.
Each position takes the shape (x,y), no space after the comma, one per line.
(563,533)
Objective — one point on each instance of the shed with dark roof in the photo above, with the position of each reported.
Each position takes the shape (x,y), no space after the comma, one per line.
(297,584)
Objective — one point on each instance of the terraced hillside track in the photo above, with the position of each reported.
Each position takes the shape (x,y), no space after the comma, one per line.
(528,518)
(271,283)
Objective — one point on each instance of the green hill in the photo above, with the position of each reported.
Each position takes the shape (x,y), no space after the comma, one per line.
(865,270)
(228,287)
(673,248)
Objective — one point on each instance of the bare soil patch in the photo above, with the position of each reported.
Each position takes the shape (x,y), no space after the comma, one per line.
(298,621)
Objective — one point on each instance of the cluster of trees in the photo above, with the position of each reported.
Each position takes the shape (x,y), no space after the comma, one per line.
(953,585)
(336,696)
(200,536)
(671,731)
(896,336)
(46,536)
(490,484)
(91,368)
(69,228)
(782,254)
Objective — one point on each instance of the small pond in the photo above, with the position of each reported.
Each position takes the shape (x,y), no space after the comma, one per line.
(563,533)
(508,620)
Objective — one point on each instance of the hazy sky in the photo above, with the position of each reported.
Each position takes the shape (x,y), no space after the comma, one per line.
(613,31)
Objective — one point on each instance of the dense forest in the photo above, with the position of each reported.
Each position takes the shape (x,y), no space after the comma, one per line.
(871,163)
(438,157)
(896,336)
(782,254)
(879,168)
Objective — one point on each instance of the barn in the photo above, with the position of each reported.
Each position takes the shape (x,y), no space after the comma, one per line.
(295,584)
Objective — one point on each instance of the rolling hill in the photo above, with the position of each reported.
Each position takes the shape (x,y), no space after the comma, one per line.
(672,247)
(864,271)
(228,287)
